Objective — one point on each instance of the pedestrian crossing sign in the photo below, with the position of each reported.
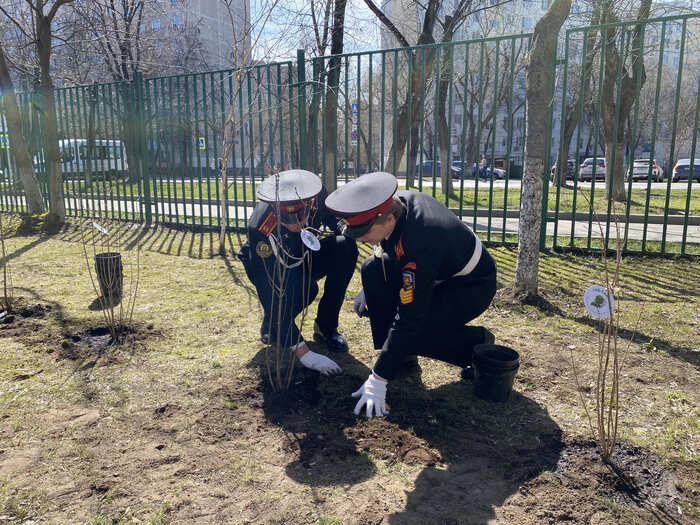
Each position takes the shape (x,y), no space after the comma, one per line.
(202,143)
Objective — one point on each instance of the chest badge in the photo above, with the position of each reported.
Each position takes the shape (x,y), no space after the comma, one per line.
(263,249)
(407,286)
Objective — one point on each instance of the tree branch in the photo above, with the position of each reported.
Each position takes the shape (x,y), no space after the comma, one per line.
(389,25)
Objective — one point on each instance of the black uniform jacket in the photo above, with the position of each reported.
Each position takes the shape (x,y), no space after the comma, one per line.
(429,244)
(259,258)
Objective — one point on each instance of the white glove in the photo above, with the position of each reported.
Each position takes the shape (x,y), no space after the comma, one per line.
(320,363)
(373,393)
(359,305)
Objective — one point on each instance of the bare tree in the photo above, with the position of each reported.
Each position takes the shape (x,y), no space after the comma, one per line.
(578,98)
(539,91)
(40,36)
(330,113)
(19,147)
(414,100)
(245,39)
(629,78)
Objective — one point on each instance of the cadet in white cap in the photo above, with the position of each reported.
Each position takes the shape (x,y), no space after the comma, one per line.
(428,278)
(282,254)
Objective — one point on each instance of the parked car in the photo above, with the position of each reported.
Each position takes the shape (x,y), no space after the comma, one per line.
(639,170)
(570,168)
(458,171)
(586,169)
(430,165)
(681,171)
(106,157)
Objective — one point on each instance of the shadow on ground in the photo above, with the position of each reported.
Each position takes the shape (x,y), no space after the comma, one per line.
(475,453)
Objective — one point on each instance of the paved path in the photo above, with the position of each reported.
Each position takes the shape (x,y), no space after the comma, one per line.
(168,213)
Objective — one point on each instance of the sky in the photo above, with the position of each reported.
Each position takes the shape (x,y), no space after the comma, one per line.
(289,26)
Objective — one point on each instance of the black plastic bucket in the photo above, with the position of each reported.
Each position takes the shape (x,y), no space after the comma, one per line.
(495,367)
(110,274)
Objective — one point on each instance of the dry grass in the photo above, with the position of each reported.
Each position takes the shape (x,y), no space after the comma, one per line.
(175,427)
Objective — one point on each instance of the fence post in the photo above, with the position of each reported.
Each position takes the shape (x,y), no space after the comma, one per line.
(141,146)
(548,154)
(301,87)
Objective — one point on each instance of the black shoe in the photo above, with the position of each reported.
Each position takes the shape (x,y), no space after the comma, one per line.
(333,341)
(467,373)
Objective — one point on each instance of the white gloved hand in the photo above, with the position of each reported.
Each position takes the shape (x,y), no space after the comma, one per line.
(359,305)
(373,393)
(320,363)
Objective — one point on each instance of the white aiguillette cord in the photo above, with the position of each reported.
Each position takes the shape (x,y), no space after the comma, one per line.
(299,260)
(379,254)
(308,240)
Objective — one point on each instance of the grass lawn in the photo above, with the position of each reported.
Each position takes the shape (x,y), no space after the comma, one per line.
(483,195)
(177,426)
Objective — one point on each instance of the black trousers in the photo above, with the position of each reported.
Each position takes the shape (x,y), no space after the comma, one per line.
(335,261)
(457,301)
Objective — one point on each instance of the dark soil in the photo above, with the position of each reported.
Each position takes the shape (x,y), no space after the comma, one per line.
(633,477)
(324,435)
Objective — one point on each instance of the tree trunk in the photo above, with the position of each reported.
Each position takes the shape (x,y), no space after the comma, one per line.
(444,75)
(330,109)
(44,41)
(572,112)
(613,110)
(404,127)
(19,148)
(539,92)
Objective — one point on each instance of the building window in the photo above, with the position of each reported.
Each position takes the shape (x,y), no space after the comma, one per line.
(173,2)
(176,22)
(545,4)
(527,23)
(155,25)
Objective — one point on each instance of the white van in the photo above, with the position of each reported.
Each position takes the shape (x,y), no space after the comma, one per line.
(107,158)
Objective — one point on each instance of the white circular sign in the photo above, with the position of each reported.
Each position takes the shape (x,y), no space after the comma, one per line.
(596,301)
(310,240)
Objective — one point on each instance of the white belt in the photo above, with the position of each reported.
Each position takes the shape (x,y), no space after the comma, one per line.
(473,261)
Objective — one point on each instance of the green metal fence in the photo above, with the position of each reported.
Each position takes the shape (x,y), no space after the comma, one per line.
(447,119)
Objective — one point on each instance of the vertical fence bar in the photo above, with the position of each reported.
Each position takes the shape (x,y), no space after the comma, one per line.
(691,173)
(145,176)
(653,132)
(562,155)
(596,133)
(434,171)
(150,102)
(450,114)
(672,149)
(548,151)
(635,123)
(394,94)
(577,169)
(494,123)
(611,173)
(369,117)
(348,125)
(509,138)
(477,149)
